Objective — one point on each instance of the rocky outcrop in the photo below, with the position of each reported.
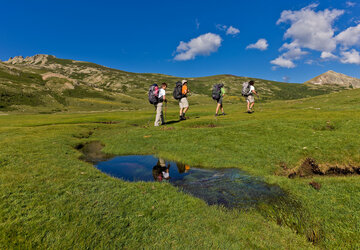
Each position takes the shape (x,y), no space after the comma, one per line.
(39,59)
(334,78)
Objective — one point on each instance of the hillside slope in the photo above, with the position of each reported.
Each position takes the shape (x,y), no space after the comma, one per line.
(46,83)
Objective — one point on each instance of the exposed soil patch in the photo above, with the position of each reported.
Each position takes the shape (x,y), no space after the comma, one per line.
(92,152)
(211,125)
(315,185)
(167,128)
(310,168)
(109,122)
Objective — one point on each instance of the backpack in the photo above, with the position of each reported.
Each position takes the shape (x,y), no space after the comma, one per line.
(177,94)
(153,94)
(216,91)
(245,91)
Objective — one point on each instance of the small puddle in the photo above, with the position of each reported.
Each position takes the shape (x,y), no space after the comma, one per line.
(228,187)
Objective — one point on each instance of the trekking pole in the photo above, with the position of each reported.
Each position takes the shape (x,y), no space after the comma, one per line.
(165,112)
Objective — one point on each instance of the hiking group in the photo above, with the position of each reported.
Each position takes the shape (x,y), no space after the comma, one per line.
(157,97)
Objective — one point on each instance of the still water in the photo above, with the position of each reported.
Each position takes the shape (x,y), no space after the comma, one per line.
(229,187)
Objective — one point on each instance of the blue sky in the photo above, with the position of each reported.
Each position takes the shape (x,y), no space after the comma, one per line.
(279,40)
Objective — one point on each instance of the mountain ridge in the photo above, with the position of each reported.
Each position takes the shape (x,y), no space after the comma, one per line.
(45,81)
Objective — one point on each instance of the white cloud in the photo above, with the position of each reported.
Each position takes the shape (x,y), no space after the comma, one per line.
(286,78)
(221,27)
(293,53)
(327,55)
(197,23)
(229,30)
(261,44)
(350,4)
(282,62)
(349,37)
(201,45)
(310,29)
(352,56)
(232,31)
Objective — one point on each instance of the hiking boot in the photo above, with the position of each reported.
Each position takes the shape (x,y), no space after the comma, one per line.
(216,115)
(223,114)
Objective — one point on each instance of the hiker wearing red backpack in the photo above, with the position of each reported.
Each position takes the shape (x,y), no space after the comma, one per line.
(159,105)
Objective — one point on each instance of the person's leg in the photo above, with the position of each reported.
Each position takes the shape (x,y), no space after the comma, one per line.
(252,105)
(222,109)
(185,104)
(181,109)
(248,105)
(217,108)
(162,117)
(158,114)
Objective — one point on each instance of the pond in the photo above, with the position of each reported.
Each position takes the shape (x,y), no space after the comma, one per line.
(229,187)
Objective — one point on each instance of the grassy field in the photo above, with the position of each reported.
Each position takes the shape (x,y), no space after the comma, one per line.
(51,199)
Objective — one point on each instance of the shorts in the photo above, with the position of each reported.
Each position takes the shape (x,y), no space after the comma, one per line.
(250,98)
(220,100)
(183,103)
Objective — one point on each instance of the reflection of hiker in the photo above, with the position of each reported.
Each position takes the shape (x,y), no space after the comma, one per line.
(159,106)
(217,94)
(182,168)
(183,102)
(248,92)
(160,171)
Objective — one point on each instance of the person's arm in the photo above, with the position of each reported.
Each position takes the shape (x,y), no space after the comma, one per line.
(255,92)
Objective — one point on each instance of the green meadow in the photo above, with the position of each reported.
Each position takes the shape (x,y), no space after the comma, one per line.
(51,199)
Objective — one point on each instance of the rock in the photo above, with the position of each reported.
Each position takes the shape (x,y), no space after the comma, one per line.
(37,59)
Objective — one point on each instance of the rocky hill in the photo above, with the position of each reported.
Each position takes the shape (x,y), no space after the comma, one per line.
(334,78)
(44,83)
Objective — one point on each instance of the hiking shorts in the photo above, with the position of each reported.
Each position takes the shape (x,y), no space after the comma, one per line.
(183,103)
(250,98)
(220,100)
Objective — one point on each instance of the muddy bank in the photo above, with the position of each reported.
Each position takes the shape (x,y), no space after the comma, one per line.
(310,168)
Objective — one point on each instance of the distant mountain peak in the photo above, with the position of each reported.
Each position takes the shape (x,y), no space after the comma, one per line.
(333,78)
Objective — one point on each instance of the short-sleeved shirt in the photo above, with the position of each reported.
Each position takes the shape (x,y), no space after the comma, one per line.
(184,90)
(222,91)
(161,92)
(251,89)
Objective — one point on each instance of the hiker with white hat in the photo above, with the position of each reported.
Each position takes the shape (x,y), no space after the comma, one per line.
(183,102)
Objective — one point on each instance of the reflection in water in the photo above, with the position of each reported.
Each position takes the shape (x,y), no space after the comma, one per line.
(160,171)
(228,187)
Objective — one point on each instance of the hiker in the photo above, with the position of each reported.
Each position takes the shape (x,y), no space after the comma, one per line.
(218,94)
(183,102)
(249,95)
(159,106)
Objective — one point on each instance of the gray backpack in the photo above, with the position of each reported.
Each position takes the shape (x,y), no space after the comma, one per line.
(245,91)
